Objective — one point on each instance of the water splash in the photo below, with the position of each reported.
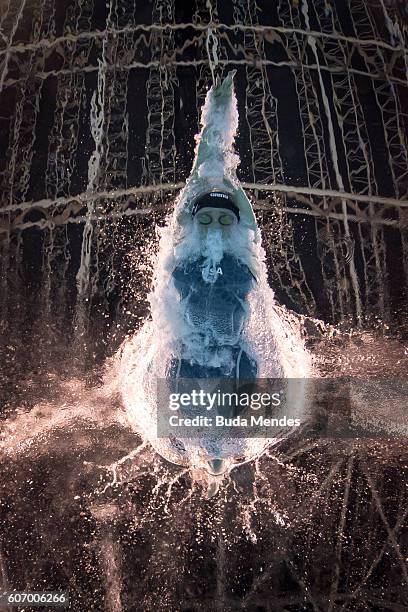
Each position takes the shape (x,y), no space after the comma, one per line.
(72,469)
(72,461)
(271,336)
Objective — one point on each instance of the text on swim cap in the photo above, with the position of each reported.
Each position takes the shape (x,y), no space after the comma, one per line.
(219,195)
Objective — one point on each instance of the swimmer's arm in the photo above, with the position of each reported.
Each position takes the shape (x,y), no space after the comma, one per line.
(211,141)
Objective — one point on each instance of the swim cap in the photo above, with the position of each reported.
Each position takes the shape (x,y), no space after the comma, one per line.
(215,199)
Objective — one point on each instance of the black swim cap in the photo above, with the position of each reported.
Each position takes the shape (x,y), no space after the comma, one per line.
(215,199)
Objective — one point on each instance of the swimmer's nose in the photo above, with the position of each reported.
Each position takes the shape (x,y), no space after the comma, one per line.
(217,466)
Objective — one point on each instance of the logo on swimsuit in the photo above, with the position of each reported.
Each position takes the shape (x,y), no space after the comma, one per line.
(210,275)
(214,272)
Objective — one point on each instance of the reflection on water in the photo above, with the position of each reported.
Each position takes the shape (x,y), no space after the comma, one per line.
(87,505)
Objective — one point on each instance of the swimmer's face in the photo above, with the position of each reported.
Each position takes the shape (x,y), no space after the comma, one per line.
(215,218)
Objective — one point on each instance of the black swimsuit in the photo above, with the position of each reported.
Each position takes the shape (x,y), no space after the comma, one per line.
(215,307)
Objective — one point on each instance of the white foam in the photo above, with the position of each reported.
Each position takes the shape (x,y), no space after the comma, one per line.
(271,335)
